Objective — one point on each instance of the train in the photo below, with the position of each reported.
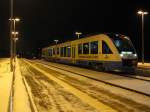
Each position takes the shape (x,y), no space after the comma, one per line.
(104,52)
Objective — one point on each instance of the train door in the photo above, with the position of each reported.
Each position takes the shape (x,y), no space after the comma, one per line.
(106,51)
(73,54)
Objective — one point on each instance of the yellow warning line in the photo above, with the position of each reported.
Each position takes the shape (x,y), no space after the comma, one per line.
(83,96)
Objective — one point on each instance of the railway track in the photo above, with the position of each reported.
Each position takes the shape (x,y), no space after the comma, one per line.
(81,89)
(76,91)
(47,66)
(138,77)
(135,76)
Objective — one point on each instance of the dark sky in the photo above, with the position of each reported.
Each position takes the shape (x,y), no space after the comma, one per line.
(42,21)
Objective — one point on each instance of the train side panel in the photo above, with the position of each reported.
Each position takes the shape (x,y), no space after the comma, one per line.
(96,51)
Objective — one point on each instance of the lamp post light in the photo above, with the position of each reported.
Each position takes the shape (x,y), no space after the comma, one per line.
(12,34)
(14,23)
(56,41)
(15,19)
(15,38)
(78,34)
(142,13)
(15,33)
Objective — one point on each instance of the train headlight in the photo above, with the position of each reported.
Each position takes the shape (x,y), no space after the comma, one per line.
(135,55)
(121,55)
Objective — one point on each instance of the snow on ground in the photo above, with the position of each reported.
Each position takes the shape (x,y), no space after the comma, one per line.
(126,82)
(109,94)
(143,69)
(21,100)
(5,84)
(42,87)
(145,65)
(50,96)
(117,98)
(124,96)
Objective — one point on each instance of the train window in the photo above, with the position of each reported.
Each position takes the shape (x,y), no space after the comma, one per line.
(79,48)
(50,52)
(57,51)
(105,48)
(86,48)
(61,51)
(53,51)
(123,44)
(68,51)
(94,47)
(65,51)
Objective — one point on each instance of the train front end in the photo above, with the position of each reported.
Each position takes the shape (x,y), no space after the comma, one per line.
(126,51)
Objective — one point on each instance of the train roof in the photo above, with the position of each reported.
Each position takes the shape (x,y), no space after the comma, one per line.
(110,35)
(115,35)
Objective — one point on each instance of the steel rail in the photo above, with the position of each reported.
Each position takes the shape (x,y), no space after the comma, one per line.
(105,82)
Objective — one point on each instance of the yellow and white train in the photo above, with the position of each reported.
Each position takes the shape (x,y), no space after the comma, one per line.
(109,52)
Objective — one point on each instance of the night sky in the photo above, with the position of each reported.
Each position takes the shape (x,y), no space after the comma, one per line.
(42,21)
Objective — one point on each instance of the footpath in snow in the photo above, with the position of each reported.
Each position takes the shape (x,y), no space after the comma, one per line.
(145,65)
(144,69)
(20,98)
(5,84)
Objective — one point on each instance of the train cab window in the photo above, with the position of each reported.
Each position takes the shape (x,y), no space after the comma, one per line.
(57,51)
(68,51)
(61,51)
(105,48)
(86,48)
(94,47)
(79,48)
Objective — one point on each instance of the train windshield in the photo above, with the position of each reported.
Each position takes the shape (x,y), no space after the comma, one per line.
(124,45)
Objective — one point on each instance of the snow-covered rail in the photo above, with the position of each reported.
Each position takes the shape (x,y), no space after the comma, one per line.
(118,98)
(83,96)
(33,106)
(131,83)
(138,75)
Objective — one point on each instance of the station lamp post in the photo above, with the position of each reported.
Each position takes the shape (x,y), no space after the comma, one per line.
(56,41)
(78,34)
(15,38)
(142,13)
(13,34)
(15,47)
(14,20)
(11,28)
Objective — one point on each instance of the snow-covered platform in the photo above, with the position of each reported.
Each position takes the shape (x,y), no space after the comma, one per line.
(19,101)
(144,69)
(5,84)
(145,65)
